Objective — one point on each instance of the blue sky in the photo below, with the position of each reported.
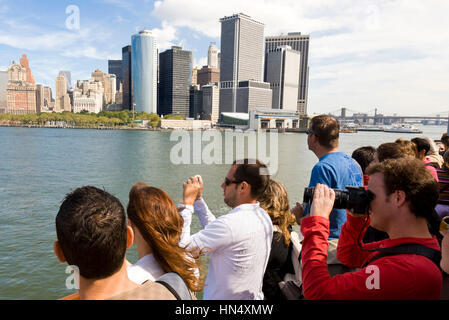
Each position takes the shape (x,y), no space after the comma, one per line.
(389,54)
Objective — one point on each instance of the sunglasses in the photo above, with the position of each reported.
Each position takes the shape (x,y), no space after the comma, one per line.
(310,131)
(229,181)
(444,224)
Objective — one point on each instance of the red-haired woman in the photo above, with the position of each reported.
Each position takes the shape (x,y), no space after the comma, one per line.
(157,226)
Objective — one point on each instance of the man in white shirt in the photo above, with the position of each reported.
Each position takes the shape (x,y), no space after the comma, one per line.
(239,242)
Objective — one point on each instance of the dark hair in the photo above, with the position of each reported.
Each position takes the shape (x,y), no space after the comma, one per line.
(364,156)
(91,230)
(327,129)
(412,177)
(421,144)
(395,150)
(155,215)
(445,139)
(254,172)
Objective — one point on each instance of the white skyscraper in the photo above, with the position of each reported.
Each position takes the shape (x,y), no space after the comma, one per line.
(212,57)
(144,71)
(282,67)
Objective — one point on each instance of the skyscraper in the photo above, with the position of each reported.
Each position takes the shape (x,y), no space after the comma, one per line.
(62,99)
(175,78)
(127,97)
(212,56)
(144,71)
(20,93)
(240,61)
(208,75)
(115,67)
(25,63)
(299,43)
(68,78)
(282,72)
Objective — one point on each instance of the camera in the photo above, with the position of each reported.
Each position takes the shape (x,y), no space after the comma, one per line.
(355,199)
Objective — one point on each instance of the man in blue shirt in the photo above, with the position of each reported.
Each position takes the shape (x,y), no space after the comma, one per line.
(334,169)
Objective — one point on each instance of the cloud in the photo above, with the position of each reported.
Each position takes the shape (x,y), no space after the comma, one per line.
(364,53)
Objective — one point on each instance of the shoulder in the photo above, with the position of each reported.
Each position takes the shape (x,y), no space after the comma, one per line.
(148,291)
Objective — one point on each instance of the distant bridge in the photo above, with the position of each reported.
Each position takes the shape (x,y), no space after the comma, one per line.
(342,114)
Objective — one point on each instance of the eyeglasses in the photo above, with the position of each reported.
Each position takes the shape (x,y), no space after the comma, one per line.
(229,181)
(310,131)
(444,224)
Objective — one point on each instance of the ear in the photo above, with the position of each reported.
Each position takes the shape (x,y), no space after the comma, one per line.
(129,236)
(58,251)
(400,198)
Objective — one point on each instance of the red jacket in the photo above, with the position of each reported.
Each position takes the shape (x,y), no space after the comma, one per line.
(403,276)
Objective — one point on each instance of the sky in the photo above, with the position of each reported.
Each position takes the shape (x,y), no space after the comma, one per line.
(392,55)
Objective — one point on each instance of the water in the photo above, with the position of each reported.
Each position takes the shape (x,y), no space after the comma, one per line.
(39,166)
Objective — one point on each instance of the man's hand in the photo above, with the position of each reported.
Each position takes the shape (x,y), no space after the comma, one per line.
(299,212)
(191,189)
(200,192)
(323,201)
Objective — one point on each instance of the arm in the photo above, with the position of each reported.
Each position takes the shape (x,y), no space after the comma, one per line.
(204,214)
(385,280)
(348,250)
(200,206)
(320,174)
(212,238)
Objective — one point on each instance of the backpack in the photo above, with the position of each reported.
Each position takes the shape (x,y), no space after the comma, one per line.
(176,285)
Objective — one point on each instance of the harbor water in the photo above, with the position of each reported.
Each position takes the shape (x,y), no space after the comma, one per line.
(39,166)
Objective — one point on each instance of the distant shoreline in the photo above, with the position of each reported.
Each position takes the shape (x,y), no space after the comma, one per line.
(81,127)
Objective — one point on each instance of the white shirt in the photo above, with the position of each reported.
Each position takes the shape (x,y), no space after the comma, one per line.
(238,244)
(147,268)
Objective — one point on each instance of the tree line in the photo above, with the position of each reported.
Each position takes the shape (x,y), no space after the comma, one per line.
(86,119)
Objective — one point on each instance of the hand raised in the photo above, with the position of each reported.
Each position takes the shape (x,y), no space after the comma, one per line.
(298,211)
(190,190)
(200,192)
(323,201)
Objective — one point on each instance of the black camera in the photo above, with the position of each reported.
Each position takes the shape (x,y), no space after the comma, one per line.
(355,199)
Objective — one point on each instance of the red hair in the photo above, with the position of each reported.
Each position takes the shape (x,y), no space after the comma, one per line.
(155,215)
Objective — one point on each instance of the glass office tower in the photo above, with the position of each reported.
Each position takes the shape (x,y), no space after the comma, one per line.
(144,71)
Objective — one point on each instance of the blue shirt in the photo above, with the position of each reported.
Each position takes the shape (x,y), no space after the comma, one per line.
(336,170)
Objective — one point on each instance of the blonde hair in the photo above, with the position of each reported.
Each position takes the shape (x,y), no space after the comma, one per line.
(274,201)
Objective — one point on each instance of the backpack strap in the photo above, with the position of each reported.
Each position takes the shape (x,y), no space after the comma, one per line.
(176,285)
(408,248)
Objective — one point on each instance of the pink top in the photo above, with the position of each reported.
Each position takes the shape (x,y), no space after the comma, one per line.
(432,169)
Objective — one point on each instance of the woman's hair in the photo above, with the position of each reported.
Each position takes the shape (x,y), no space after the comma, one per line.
(396,150)
(155,215)
(274,201)
(446,160)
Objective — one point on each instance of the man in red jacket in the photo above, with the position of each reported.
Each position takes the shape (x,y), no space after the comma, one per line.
(404,194)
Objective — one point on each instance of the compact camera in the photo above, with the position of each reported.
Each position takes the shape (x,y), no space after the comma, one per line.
(355,199)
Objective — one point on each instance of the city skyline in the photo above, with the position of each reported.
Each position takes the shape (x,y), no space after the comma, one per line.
(362,55)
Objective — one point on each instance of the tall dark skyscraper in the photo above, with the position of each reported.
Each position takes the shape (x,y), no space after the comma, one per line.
(115,67)
(127,78)
(299,43)
(241,59)
(174,81)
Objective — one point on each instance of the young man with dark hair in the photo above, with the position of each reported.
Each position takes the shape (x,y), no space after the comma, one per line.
(238,243)
(364,156)
(93,236)
(403,195)
(335,169)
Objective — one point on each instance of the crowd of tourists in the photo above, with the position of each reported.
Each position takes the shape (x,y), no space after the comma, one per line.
(374,226)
